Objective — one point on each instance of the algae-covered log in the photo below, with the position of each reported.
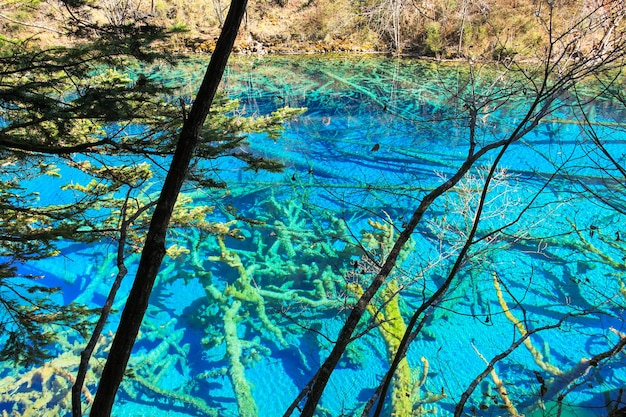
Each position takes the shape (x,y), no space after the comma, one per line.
(241,386)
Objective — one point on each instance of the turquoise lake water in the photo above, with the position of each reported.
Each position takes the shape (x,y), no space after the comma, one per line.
(377,136)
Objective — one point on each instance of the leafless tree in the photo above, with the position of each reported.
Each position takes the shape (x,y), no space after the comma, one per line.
(590,45)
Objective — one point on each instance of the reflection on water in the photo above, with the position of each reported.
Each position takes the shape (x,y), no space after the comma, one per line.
(237,326)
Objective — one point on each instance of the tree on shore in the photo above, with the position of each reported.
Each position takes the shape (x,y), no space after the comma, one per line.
(54,112)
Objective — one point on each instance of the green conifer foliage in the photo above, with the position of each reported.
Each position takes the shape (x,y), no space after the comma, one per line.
(88,117)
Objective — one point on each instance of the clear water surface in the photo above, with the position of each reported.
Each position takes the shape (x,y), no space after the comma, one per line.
(378,135)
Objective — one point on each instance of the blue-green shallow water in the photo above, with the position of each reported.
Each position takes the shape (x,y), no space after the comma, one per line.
(377,136)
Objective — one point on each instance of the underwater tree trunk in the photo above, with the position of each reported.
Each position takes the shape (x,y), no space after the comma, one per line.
(154,247)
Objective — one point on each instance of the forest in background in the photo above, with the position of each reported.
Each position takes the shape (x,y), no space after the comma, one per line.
(448,29)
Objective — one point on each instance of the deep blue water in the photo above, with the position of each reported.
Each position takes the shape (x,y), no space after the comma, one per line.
(377,136)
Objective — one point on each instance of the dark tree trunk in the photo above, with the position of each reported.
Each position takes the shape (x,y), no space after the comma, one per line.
(154,248)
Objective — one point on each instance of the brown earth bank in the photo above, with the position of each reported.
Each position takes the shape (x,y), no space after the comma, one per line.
(445,29)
